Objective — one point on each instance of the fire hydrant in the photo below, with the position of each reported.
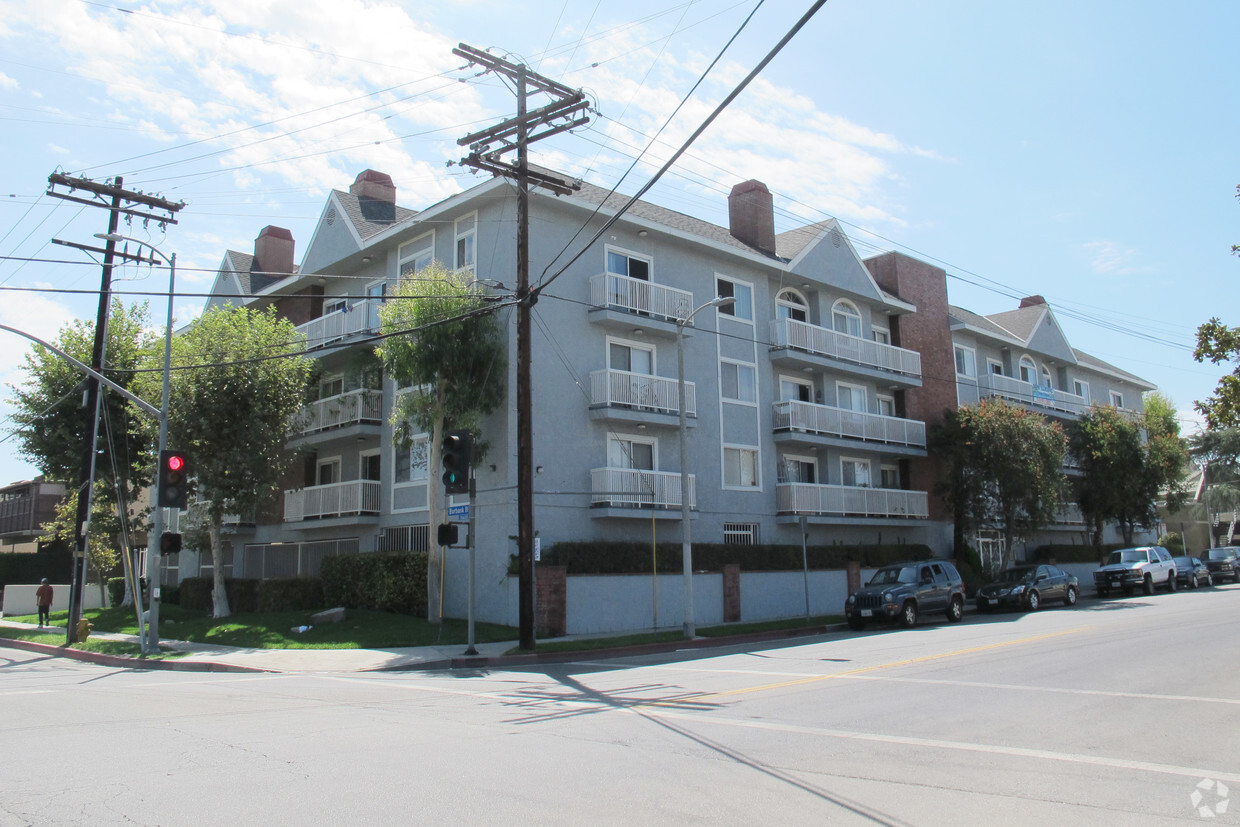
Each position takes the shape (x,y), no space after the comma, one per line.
(83,629)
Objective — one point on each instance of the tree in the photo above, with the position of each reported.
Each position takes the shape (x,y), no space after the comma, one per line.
(1004,469)
(1166,451)
(238,382)
(105,532)
(1218,451)
(443,340)
(1220,343)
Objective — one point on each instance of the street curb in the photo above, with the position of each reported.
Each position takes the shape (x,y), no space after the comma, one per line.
(123,662)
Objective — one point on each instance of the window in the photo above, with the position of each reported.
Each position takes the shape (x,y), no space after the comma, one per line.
(625,451)
(742,308)
(798,469)
(845,318)
(789,304)
(740,534)
(417,254)
(377,290)
(328,471)
(739,383)
(995,367)
(887,405)
(623,264)
(855,472)
(881,335)
(411,463)
(331,385)
(1081,389)
(740,467)
(889,476)
(334,306)
(795,390)
(966,362)
(1028,371)
(851,397)
(1046,377)
(630,357)
(370,467)
(466,240)
(1117,399)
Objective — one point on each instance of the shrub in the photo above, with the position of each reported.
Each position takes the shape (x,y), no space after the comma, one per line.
(247,595)
(116,590)
(1173,543)
(637,558)
(393,582)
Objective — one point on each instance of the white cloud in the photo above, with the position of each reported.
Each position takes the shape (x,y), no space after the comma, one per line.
(7,82)
(1109,259)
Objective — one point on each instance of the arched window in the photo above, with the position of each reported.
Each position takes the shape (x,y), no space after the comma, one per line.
(845,318)
(1028,371)
(1046,377)
(790,304)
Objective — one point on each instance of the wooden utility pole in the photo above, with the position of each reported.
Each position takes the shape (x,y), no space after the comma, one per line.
(568,109)
(118,201)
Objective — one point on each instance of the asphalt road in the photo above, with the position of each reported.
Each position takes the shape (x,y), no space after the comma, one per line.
(1110,713)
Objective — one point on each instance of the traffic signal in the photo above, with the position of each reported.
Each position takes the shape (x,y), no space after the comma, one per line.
(169,542)
(173,481)
(448,535)
(457,454)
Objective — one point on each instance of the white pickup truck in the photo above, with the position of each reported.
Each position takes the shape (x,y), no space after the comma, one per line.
(1149,567)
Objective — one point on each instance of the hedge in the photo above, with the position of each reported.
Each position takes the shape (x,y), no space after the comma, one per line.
(636,558)
(25,569)
(245,595)
(1074,553)
(393,582)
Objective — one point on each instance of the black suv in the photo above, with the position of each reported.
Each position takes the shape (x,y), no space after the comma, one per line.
(1224,564)
(905,591)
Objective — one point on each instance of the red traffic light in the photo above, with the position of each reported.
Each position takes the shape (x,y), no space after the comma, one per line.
(176,462)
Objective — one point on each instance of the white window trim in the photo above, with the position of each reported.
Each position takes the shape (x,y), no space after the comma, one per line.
(410,482)
(875,330)
(458,235)
(1117,399)
(865,394)
(1078,385)
(972,353)
(857,461)
(753,370)
(621,438)
(851,311)
(635,344)
(403,257)
(1029,361)
(335,461)
(880,399)
(756,451)
(1045,375)
(620,251)
(362,456)
(806,460)
(793,380)
(801,305)
(991,364)
(330,378)
(729,311)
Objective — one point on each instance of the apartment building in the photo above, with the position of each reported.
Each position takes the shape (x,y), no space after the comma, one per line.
(808,398)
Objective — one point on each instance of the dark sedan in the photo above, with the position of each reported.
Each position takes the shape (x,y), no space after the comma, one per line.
(1191,573)
(1224,563)
(1028,587)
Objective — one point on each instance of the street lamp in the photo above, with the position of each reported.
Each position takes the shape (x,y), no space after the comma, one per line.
(151,644)
(686,534)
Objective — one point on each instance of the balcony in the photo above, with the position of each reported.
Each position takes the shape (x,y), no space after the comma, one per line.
(819,424)
(629,488)
(791,338)
(362,317)
(17,516)
(619,394)
(339,499)
(359,407)
(624,303)
(798,498)
(1027,393)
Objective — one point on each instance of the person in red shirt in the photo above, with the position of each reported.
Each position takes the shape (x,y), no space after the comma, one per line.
(43,597)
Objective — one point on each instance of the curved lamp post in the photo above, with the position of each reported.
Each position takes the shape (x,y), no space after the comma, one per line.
(686,533)
(150,644)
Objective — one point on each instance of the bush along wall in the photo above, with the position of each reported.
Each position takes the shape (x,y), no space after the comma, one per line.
(384,582)
(638,558)
(27,569)
(244,595)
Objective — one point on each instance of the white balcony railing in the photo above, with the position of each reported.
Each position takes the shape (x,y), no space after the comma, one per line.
(639,296)
(360,317)
(628,487)
(822,419)
(821,341)
(1069,515)
(849,501)
(348,408)
(641,391)
(335,500)
(1008,387)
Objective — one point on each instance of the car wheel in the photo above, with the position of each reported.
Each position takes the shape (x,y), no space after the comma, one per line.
(1103,592)
(1070,600)
(856,624)
(1171,582)
(985,609)
(1210,580)
(955,610)
(908,615)
(1033,601)
(1235,577)
(1192,582)
(1147,585)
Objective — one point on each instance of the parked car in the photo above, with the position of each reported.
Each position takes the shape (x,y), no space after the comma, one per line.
(1149,567)
(1224,563)
(1028,587)
(1191,573)
(905,591)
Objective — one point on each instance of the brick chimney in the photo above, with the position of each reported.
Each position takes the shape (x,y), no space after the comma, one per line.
(273,251)
(1030,301)
(751,215)
(376,186)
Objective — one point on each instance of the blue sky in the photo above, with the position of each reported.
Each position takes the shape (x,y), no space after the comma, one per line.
(1084,151)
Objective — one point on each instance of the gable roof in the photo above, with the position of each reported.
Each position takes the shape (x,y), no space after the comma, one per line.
(370,216)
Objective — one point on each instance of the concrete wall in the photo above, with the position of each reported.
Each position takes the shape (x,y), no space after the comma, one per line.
(19,600)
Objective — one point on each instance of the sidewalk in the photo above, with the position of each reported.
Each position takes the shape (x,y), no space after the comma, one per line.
(205,657)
